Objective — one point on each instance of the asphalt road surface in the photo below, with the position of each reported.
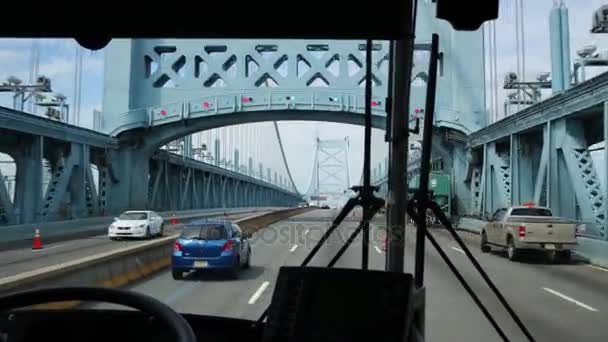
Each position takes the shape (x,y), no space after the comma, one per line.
(556,302)
(21,260)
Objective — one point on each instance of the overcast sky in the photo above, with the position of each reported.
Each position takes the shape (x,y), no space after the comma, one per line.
(57,62)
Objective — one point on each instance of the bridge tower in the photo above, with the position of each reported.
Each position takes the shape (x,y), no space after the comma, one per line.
(330,175)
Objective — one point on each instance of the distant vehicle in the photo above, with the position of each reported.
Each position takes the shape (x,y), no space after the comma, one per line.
(529,228)
(143,224)
(325,206)
(211,245)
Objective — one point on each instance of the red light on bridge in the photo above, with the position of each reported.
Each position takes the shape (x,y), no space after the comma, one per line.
(247,99)
(376,103)
(418,110)
(206,104)
(163,112)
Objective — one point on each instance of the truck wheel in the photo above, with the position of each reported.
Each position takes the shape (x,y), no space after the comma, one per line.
(552,256)
(565,256)
(177,275)
(512,252)
(485,248)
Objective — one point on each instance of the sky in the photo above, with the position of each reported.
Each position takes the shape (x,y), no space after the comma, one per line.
(57,62)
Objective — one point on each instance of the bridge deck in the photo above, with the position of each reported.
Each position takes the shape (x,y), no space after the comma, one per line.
(18,121)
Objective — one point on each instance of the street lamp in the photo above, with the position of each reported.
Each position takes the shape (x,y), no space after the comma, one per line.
(589,57)
(544,77)
(587,51)
(599,21)
(51,101)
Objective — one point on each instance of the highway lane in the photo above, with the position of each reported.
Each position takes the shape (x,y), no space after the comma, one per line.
(558,302)
(21,260)
(547,297)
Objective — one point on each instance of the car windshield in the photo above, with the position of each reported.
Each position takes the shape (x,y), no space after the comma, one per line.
(530,212)
(133,216)
(268,134)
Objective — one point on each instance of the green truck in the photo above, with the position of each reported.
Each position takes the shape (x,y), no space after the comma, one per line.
(440,183)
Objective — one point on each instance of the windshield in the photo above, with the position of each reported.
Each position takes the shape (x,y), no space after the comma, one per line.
(205,232)
(241,130)
(133,216)
(530,212)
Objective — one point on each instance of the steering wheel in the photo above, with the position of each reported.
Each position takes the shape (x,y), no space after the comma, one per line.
(179,326)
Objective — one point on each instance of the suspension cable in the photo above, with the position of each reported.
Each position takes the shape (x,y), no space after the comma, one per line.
(276,129)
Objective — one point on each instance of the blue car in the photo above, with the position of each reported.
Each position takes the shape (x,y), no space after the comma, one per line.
(211,245)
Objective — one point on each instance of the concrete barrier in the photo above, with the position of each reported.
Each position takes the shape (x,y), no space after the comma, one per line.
(120,267)
(16,236)
(470,225)
(595,251)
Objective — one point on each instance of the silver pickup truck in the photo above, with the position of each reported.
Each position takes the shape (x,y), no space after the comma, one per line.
(529,228)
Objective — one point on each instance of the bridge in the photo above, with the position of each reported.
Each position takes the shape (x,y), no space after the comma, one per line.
(160,94)
(68,152)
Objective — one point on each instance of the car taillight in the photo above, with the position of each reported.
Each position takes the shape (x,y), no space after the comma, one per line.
(522,231)
(177,247)
(227,246)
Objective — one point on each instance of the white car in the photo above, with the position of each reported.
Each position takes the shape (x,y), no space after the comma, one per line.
(144,224)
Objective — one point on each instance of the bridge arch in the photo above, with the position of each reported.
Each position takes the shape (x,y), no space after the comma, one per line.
(153,137)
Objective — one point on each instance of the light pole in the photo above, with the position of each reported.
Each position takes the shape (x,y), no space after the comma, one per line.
(526,93)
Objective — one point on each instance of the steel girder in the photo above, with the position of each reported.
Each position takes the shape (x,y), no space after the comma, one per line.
(28,190)
(183,186)
(7,214)
(71,192)
(551,167)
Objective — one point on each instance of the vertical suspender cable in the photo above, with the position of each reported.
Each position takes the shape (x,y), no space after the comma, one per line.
(518,53)
(495,71)
(278,135)
(523,41)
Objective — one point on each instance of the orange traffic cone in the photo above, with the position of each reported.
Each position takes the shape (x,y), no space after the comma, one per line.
(37,242)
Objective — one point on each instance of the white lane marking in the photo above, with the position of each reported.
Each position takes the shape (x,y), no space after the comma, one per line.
(458,250)
(293,248)
(378,249)
(306,231)
(572,300)
(258,293)
(598,268)
(47,248)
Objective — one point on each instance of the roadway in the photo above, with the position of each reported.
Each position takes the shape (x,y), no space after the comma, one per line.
(557,302)
(20,260)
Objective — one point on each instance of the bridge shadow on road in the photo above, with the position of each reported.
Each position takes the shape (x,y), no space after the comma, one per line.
(254,272)
(539,258)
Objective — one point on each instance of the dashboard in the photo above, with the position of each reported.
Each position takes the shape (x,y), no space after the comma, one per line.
(117,325)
